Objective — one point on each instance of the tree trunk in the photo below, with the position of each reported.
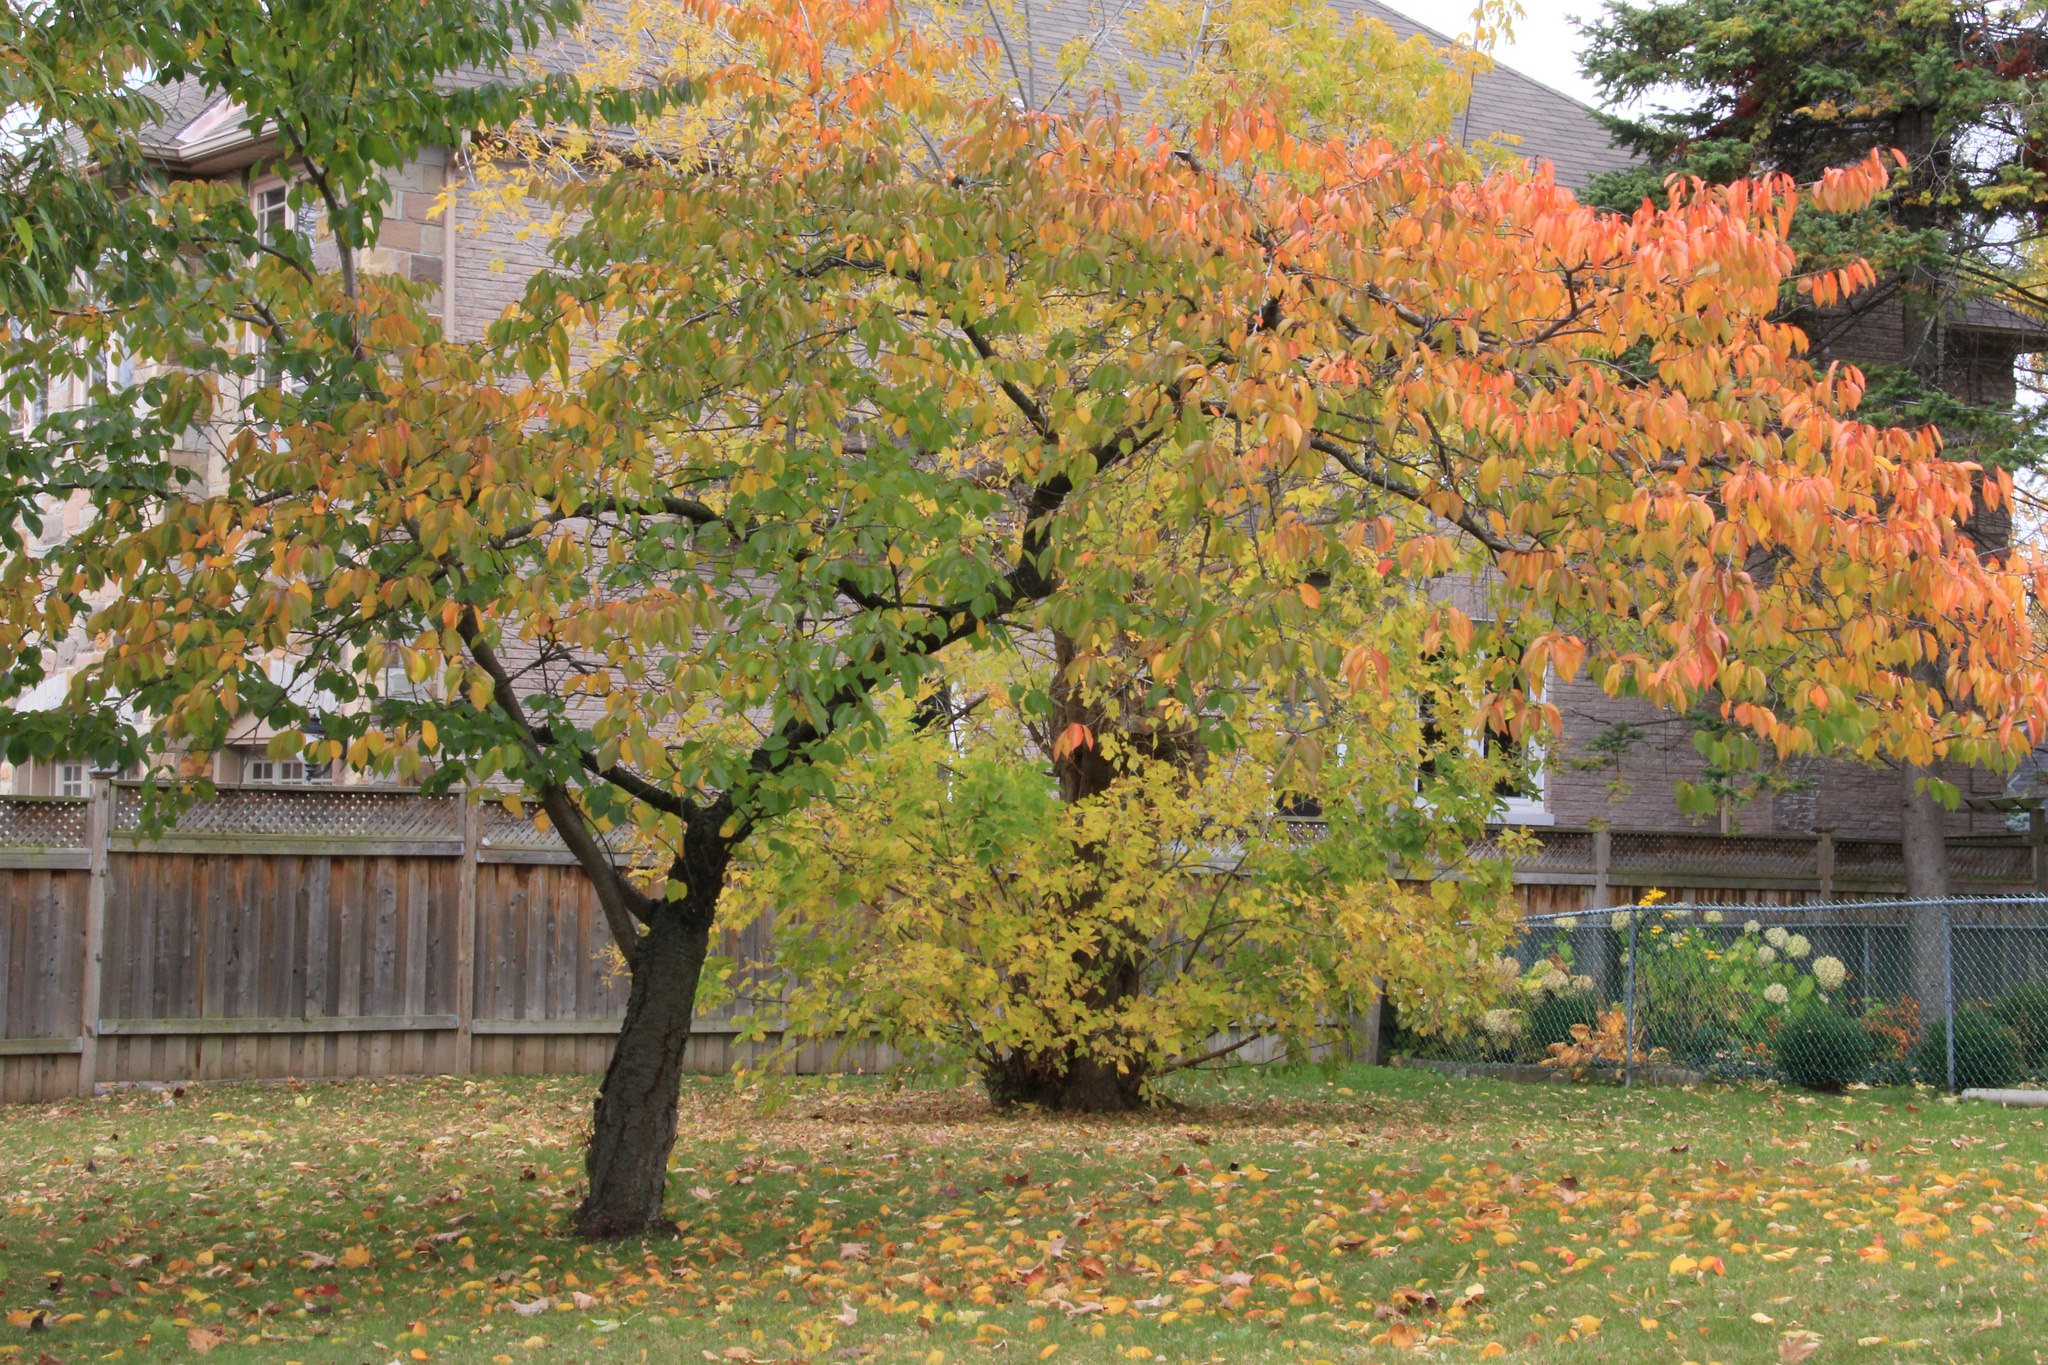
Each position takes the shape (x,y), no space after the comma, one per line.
(1923,844)
(634,1123)
(1069,1078)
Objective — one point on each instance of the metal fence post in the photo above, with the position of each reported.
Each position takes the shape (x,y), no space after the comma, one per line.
(1948,988)
(1628,1079)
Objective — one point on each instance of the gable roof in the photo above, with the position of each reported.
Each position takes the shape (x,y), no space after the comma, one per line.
(1549,124)
(1054,50)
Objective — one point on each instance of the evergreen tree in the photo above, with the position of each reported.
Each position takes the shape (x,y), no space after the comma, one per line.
(1950,90)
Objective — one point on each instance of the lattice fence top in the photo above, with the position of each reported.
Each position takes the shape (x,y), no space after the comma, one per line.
(1992,863)
(336,813)
(1560,851)
(42,822)
(1670,855)
(500,829)
(1870,858)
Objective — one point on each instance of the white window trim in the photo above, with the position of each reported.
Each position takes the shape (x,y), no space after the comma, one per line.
(259,770)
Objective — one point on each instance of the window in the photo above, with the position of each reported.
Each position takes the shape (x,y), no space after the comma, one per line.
(284,771)
(110,368)
(1522,792)
(276,221)
(273,214)
(30,415)
(72,780)
(398,687)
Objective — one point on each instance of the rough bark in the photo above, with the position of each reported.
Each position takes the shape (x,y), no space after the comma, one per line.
(1072,1078)
(1922,842)
(633,1125)
(633,1121)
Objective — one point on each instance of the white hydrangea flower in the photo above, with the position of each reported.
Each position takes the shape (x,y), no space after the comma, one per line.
(1776,935)
(1678,913)
(1582,983)
(1568,923)
(1554,980)
(1618,921)
(1502,1023)
(1751,927)
(1713,917)
(1767,955)
(1776,993)
(1830,972)
(1797,946)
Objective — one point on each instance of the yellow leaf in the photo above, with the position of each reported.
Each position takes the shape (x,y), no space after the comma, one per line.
(1683,1265)
(355,1258)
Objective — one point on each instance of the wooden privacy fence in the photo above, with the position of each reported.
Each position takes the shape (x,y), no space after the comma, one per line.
(368,932)
(277,932)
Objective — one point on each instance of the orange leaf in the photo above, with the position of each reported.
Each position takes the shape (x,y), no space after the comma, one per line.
(1075,736)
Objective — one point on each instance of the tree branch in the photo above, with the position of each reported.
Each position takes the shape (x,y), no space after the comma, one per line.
(623,906)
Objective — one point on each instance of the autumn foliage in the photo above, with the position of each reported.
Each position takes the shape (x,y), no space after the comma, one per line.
(897,375)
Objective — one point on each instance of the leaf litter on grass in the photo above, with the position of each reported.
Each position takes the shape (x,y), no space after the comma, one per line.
(1285,1220)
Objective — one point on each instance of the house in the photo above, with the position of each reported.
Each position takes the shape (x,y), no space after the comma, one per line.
(1615,766)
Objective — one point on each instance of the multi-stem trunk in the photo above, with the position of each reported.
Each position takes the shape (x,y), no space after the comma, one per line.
(1091,1073)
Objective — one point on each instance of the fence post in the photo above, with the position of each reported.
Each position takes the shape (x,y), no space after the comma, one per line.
(465,933)
(1948,988)
(98,839)
(1600,964)
(1628,1079)
(2037,836)
(1825,856)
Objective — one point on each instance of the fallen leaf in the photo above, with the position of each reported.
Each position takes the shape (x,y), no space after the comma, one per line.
(1797,1346)
(204,1339)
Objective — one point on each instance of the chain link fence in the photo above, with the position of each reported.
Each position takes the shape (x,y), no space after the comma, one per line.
(1952,993)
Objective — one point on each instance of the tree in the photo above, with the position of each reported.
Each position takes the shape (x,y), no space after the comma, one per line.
(1329,78)
(1792,86)
(955,899)
(787,427)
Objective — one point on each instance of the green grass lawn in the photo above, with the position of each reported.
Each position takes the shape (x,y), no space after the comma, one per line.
(1371,1215)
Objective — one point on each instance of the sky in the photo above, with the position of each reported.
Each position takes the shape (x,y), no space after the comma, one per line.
(1546,45)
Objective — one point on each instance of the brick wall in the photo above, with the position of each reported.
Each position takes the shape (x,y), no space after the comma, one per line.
(1635,789)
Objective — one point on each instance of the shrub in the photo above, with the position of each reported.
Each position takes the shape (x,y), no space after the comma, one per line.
(1689,1039)
(1551,1020)
(2024,1010)
(1820,1048)
(1987,1052)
